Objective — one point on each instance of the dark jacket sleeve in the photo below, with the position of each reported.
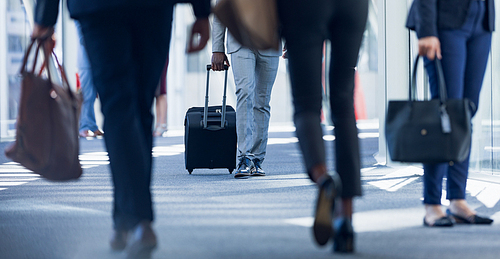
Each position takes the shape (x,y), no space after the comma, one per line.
(46,12)
(423,18)
(491,15)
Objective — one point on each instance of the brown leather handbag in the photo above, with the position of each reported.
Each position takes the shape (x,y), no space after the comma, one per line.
(47,139)
(253,23)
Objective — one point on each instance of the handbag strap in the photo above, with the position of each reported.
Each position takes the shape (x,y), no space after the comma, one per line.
(40,41)
(63,72)
(65,82)
(26,55)
(443,95)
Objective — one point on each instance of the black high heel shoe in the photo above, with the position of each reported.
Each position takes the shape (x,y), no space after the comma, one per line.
(325,205)
(343,239)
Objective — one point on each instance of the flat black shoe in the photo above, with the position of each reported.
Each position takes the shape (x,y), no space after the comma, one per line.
(343,240)
(442,222)
(245,168)
(474,219)
(325,205)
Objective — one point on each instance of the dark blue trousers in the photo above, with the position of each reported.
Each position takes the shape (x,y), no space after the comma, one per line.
(465,55)
(127,49)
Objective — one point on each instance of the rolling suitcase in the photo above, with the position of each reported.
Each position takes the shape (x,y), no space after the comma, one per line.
(210,134)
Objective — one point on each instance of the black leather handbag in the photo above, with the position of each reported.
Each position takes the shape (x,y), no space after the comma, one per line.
(430,131)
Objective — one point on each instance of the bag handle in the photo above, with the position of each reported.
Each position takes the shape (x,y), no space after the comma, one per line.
(443,95)
(41,41)
(26,55)
(205,110)
(61,69)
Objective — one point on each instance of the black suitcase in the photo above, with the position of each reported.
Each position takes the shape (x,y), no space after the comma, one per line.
(210,134)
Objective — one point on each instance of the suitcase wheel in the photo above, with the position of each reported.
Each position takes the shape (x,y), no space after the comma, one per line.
(230,170)
(190,171)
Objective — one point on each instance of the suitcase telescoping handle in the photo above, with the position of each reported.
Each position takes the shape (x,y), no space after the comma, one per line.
(205,110)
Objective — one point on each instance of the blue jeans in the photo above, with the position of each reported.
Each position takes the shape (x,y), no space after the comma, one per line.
(87,115)
(465,55)
(254,76)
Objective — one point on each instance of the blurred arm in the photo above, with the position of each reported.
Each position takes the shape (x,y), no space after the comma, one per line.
(201,26)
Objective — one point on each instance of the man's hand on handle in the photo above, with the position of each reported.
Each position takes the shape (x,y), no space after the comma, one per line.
(219,59)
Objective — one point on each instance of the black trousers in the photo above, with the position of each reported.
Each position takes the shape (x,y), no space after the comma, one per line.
(306,25)
(127,49)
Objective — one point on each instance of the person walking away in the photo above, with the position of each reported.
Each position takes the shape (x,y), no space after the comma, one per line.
(254,73)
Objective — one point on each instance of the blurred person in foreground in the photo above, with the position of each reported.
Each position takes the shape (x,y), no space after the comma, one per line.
(127,44)
(459,34)
(305,26)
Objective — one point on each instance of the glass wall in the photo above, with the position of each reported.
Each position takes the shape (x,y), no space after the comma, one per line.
(485,154)
(383,74)
(15,38)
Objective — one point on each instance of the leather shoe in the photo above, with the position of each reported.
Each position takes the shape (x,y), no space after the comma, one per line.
(325,205)
(343,240)
(474,219)
(98,133)
(142,241)
(245,168)
(258,171)
(118,241)
(86,134)
(441,222)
